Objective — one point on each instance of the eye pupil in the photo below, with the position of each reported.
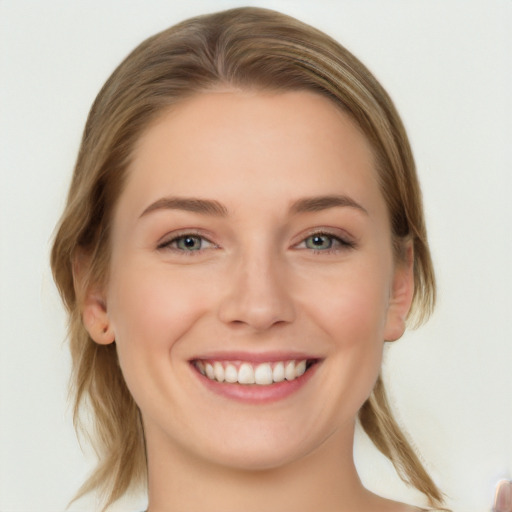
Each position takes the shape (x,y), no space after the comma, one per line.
(319,242)
(190,243)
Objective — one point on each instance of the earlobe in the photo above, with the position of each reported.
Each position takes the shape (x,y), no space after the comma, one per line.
(92,303)
(96,321)
(401,295)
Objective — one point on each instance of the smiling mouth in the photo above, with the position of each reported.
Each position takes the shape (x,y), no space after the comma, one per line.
(251,374)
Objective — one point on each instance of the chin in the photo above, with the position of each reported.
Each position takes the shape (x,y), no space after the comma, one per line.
(257,460)
(266,447)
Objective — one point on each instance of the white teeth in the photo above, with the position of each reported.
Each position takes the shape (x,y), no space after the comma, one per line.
(263,374)
(246,374)
(209,371)
(231,375)
(200,367)
(278,373)
(218,372)
(300,368)
(289,371)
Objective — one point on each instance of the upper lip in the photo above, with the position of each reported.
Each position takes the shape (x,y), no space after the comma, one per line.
(255,357)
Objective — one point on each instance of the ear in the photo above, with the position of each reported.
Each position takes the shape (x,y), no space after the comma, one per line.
(93,306)
(401,294)
(95,318)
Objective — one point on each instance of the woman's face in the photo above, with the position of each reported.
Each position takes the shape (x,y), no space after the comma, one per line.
(252,244)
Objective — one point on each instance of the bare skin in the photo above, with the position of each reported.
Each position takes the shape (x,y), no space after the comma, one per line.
(321,481)
(252,224)
(503,497)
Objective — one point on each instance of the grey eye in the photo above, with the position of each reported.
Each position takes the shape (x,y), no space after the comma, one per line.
(319,242)
(189,243)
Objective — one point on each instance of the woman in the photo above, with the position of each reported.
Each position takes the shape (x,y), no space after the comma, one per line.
(244,230)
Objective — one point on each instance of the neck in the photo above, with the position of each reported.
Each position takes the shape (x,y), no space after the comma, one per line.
(325,479)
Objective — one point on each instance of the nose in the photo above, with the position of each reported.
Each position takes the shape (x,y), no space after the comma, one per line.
(257,294)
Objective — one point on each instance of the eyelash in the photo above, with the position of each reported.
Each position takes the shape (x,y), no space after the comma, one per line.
(337,244)
(169,244)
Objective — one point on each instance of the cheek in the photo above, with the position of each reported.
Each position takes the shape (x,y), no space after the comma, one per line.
(356,322)
(151,311)
(353,314)
(352,304)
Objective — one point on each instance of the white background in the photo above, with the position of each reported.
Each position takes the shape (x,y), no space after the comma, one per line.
(446,64)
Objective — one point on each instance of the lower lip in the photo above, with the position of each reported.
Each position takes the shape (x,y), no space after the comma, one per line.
(255,394)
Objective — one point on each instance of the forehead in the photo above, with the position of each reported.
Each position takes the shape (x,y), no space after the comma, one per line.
(264,146)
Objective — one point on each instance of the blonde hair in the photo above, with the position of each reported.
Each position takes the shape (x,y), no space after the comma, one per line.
(246,48)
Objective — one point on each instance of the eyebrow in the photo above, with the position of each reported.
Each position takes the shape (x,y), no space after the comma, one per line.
(319,203)
(211,207)
(204,206)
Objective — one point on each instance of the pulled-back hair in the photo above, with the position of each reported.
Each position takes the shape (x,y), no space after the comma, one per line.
(248,48)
